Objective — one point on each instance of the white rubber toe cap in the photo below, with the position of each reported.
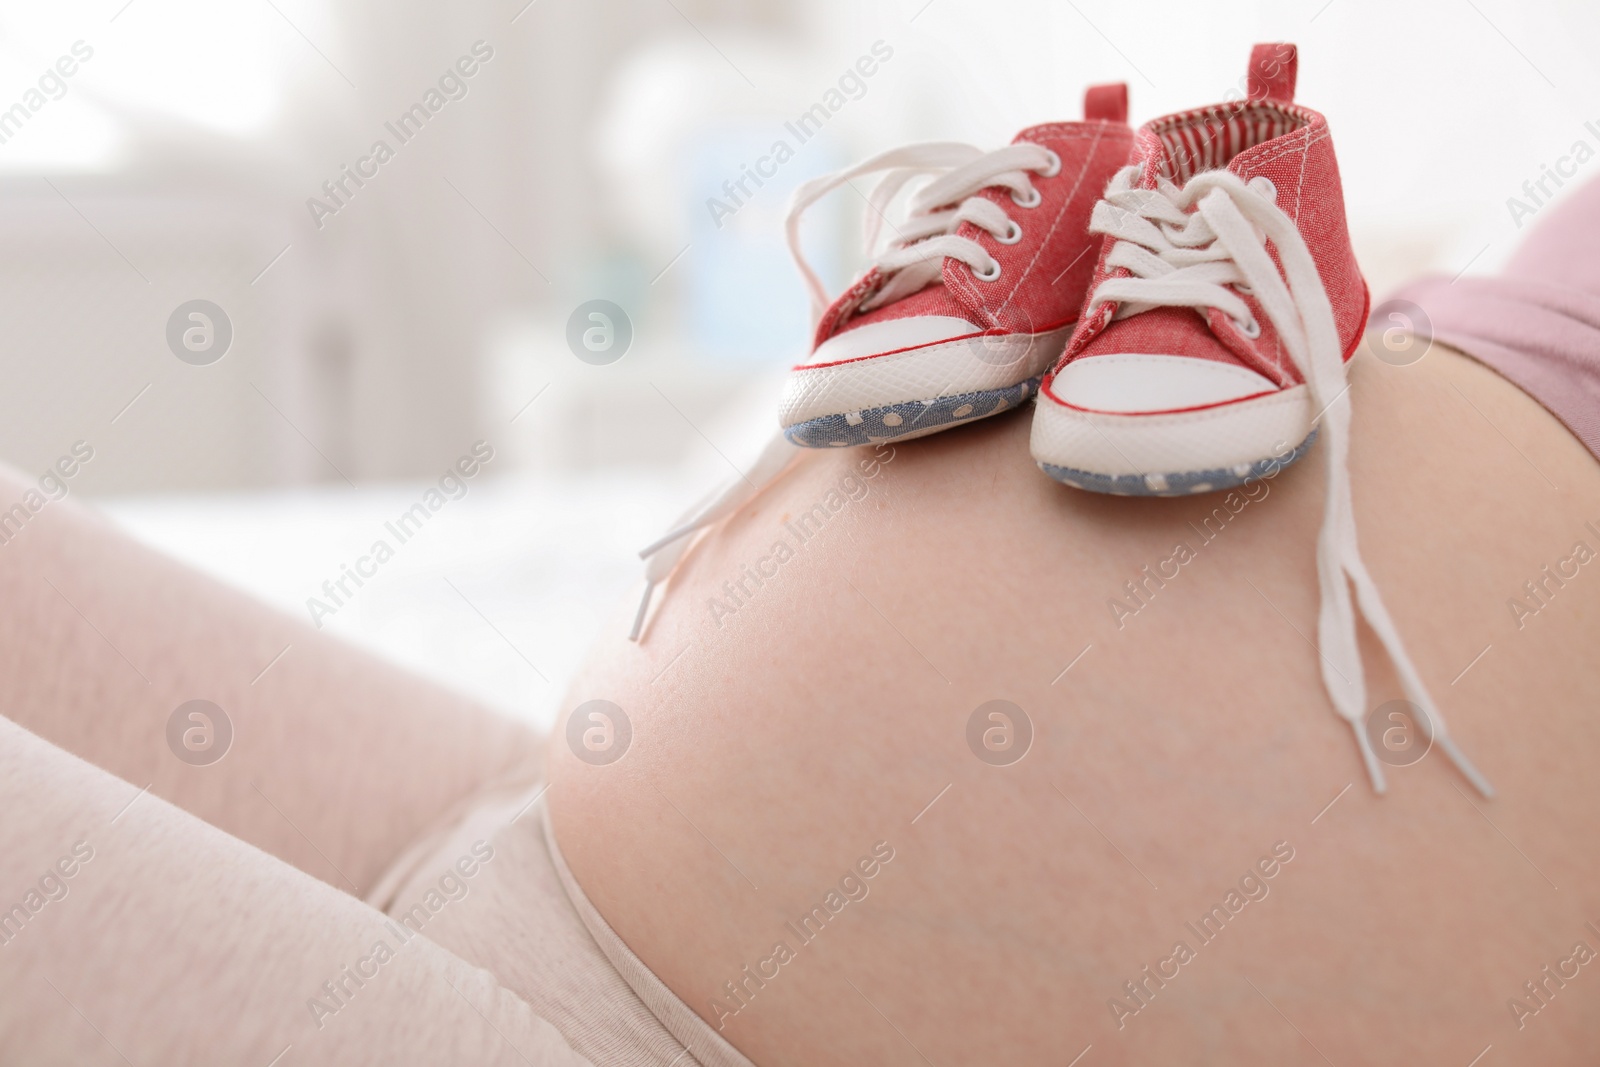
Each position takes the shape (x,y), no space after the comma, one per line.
(891,335)
(968,362)
(1134,383)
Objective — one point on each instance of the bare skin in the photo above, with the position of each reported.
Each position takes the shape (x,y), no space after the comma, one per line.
(775,745)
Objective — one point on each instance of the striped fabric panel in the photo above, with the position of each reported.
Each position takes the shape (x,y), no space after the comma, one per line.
(1210,138)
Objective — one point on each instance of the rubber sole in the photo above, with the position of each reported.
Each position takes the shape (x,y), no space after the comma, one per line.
(1178,483)
(912,418)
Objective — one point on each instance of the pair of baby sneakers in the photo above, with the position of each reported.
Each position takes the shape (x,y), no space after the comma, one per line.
(1175,296)
(1182,299)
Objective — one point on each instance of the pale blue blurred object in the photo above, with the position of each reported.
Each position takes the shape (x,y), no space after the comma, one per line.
(744,300)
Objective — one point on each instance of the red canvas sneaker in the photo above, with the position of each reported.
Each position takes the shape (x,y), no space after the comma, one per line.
(1214,342)
(975,295)
(1183,374)
(957,320)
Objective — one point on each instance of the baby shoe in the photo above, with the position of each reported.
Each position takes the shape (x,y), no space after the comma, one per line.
(1213,346)
(957,319)
(976,292)
(1181,375)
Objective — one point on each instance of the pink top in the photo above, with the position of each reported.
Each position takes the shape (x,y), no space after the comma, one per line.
(1538,322)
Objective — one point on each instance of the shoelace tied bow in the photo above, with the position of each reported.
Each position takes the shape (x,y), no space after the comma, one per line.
(1198,246)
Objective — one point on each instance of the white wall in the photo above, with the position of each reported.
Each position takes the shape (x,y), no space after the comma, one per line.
(421,316)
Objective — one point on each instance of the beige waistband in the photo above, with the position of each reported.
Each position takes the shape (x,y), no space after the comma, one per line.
(704,1044)
(526,921)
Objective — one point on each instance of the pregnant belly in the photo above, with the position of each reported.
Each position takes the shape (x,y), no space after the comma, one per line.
(904,785)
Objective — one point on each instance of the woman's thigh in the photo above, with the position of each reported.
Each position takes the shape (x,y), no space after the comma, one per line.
(806,696)
(336,761)
(132,932)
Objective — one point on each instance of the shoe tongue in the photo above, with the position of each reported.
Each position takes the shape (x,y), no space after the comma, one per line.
(1178,331)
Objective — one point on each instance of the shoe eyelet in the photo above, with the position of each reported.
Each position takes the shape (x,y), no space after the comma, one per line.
(1053,167)
(993,274)
(1264,188)
(1034,201)
(1011,236)
(1251,329)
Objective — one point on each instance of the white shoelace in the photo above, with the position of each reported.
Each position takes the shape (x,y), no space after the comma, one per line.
(914,260)
(663,554)
(1186,247)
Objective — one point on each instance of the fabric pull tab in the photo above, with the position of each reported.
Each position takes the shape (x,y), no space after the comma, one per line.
(1272,72)
(1106,103)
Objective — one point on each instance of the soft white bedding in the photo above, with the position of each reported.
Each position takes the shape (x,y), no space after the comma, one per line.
(509,582)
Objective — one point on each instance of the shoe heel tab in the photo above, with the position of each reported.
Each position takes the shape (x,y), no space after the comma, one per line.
(1106,103)
(1273,67)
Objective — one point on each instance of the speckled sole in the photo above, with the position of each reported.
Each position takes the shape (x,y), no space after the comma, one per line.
(1181,483)
(914,418)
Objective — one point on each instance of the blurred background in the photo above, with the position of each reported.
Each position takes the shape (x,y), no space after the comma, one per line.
(374,312)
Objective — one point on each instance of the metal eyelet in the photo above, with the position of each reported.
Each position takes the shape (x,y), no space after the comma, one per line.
(1034,201)
(1011,236)
(1053,168)
(990,275)
(1251,329)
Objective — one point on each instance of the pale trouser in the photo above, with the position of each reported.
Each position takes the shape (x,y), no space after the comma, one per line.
(154,911)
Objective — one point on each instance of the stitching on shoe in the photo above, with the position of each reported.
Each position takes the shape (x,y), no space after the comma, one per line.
(1310,141)
(1055,225)
(1022,340)
(1299,199)
(1077,130)
(1227,112)
(1130,357)
(1299,202)
(963,284)
(1308,137)
(1223,411)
